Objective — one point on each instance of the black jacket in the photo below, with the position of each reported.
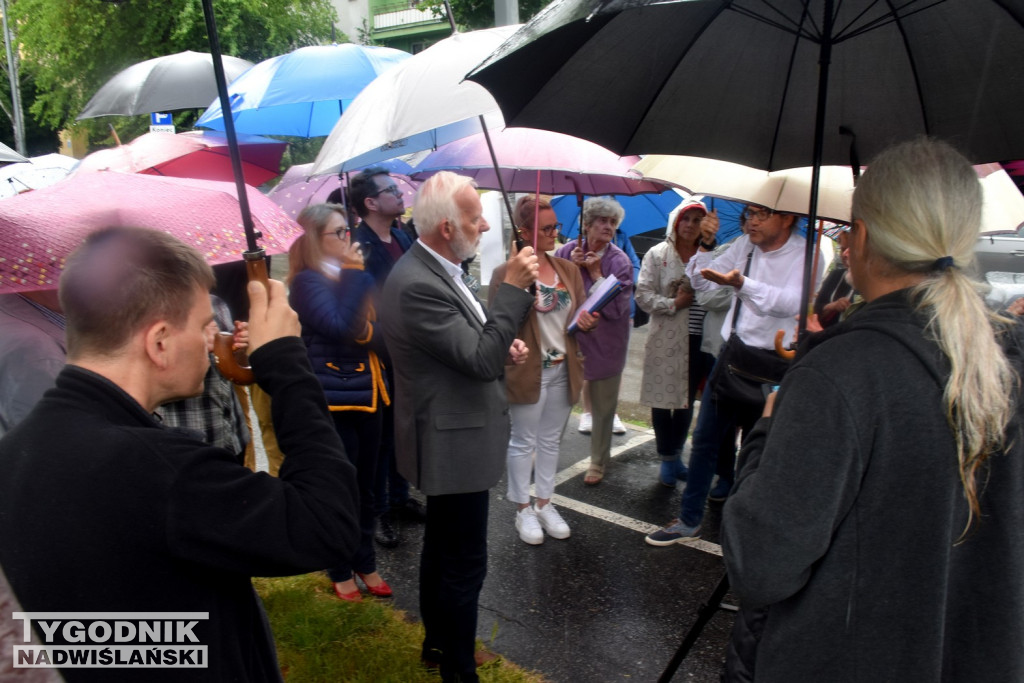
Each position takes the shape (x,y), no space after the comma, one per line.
(377,258)
(847,511)
(103,509)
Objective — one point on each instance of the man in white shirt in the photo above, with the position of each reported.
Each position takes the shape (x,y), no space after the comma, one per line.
(765,269)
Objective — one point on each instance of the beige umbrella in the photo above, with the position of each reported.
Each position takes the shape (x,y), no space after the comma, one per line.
(787,190)
(1003,210)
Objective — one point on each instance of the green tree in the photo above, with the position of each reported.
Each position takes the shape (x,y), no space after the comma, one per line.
(71,47)
(473,14)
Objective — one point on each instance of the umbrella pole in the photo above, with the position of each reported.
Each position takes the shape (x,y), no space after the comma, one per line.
(536,213)
(824,59)
(229,132)
(497,171)
(255,257)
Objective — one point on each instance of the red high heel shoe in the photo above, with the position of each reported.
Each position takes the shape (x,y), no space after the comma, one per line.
(354,596)
(381,590)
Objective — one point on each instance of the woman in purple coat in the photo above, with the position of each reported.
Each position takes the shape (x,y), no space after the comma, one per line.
(604,349)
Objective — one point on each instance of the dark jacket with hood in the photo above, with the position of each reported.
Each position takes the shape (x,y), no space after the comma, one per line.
(847,515)
(339,328)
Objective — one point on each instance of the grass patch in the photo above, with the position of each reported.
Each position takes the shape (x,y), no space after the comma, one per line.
(321,639)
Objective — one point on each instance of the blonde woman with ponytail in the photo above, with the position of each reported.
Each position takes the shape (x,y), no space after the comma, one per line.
(878,516)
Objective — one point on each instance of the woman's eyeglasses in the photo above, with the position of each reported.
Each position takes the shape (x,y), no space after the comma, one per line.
(340,233)
(551,229)
(759,214)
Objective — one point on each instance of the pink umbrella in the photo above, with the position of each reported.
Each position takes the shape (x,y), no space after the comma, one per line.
(298,189)
(39,229)
(196,154)
(567,165)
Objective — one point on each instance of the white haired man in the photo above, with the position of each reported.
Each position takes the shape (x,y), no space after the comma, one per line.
(451,410)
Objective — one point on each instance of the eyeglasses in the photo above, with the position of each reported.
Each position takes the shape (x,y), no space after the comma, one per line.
(340,233)
(759,214)
(390,189)
(551,229)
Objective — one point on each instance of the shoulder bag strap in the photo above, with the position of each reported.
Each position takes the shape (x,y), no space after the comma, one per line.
(739,302)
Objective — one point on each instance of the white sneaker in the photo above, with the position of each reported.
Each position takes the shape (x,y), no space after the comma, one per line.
(551,521)
(586,423)
(617,426)
(528,526)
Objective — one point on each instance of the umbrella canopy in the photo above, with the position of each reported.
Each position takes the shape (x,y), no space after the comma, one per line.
(195,154)
(179,81)
(9,155)
(298,189)
(788,190)
(421,104)
(567,165)
(303,92)
(1003,208)
(647,212)
(35,173)
(38,230)
(772,84)
(739,79)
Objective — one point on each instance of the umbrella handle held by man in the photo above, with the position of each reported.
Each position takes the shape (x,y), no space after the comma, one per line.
(523,267)
(229,357)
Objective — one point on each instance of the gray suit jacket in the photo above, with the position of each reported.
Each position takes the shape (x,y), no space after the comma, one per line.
(451,412)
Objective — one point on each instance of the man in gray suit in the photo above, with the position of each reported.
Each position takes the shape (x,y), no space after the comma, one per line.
(451,413)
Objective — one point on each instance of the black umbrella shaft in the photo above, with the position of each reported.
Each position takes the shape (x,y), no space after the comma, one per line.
(824,59)
(229,127)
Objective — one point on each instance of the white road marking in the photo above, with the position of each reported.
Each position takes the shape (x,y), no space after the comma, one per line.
(640,437)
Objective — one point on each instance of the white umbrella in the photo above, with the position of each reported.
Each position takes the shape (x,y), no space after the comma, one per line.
(35,173)
(7,154)
(1003,210)
(420,104)
(788,190)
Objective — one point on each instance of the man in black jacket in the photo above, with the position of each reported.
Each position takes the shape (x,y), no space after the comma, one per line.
(379,203)
(105,510)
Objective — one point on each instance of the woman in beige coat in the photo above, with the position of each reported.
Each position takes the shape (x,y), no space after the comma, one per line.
(664,291)
(542,391)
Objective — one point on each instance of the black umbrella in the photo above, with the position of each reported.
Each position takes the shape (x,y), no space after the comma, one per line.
(768,83)
(180,81)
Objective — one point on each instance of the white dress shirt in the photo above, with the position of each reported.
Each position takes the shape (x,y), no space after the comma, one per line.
(455,271)
(770,291)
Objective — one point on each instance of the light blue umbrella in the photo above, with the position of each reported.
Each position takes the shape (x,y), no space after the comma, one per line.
(303,92)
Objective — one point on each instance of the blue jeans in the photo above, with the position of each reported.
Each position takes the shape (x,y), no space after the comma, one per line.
(714,435)
(713,424)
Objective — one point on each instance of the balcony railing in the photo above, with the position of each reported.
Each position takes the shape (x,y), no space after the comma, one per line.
(403,14)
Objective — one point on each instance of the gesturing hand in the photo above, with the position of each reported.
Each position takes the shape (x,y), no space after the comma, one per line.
(734,278)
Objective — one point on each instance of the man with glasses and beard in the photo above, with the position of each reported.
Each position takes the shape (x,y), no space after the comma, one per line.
(378,202)
(451,410)
(765,269)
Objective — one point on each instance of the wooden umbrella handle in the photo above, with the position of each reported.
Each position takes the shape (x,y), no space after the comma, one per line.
(780,346)
(232,363)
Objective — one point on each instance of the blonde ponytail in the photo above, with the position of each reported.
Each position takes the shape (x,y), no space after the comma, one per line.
(922,203)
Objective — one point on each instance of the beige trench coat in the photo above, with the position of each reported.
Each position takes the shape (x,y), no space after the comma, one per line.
(667,352)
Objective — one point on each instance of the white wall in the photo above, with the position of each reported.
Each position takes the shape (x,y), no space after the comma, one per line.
(350,16)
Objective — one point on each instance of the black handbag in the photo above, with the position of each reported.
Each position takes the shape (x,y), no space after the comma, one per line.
(743,371)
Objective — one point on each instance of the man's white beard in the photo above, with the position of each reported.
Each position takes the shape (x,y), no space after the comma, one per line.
(461,246)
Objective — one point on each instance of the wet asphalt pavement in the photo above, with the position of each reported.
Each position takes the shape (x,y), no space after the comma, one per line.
(602,605)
